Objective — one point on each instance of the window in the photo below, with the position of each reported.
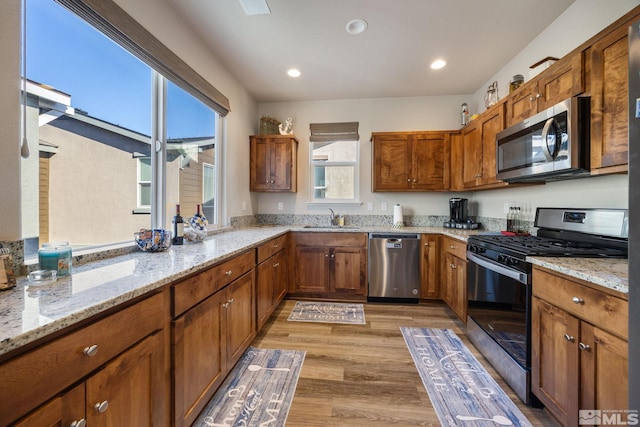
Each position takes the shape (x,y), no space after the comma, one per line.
(144,182)
(334,156)
(93,178)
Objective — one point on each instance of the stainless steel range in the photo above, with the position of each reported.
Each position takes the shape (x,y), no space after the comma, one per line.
(499,281)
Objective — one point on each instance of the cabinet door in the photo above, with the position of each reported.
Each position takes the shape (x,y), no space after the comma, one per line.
(609,103)
(61,411)
(260,164)
(199,357)
(391,162)
(523,103)
(265,292)
(311,270)
(239,324)
(604,373)
(555,360)
(455,292)
(563,80)
(281,165)
(491,124)
(472,146)
(280,276)
(429,162)
(130,390)
(349,270)
(429,266)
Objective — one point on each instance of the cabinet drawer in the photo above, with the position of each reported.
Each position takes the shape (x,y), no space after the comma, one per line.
(331,239)
(191,291)
(34,377)
(598,308)
(271,247)
(455,247)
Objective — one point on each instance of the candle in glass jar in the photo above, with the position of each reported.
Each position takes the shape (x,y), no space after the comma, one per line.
(55,256)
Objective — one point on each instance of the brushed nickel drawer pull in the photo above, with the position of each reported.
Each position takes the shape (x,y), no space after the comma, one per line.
(79,423)
(91,350)
(577,300)
(452,247)
(101,407)
(228,273)
(584,347)
(276,264)
(568,337)
(452,266)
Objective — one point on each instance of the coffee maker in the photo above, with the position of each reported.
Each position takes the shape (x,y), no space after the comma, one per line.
(458,215)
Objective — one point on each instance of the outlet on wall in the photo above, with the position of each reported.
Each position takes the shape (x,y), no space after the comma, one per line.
(370,206)
(383,206)
(244,205)
(280,206)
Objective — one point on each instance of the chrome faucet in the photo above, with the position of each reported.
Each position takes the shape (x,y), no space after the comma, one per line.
(334,218)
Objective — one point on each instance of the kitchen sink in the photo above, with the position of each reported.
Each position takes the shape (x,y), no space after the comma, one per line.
(333,227)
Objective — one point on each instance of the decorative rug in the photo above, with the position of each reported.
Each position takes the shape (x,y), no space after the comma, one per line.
(462,392)
(257,392)
(327,312)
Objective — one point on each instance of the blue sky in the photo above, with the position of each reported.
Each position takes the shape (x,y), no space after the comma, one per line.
(102,78)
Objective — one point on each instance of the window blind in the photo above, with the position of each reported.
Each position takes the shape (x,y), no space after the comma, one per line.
(115,23)
(331,132)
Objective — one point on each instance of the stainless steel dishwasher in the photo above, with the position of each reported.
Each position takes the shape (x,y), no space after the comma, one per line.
(394,267)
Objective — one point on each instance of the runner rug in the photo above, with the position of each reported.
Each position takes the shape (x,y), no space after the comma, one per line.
(461,390)
(257,392)
(327,312)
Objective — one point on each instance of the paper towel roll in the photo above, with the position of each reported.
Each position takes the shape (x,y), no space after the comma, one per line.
(398,220)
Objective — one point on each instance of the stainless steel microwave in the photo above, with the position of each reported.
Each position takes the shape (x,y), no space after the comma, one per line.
(549,146)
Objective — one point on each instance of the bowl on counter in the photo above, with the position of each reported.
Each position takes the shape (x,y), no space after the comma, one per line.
(156,240)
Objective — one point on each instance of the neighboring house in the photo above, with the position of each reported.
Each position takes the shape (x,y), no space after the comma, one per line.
(78,151)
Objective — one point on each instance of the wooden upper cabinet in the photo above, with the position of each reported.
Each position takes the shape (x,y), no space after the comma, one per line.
(479,149)
(410,161)
(609,103)
(273,163)
(566,78)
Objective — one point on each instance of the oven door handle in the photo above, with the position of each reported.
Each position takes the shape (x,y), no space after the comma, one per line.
(498,268)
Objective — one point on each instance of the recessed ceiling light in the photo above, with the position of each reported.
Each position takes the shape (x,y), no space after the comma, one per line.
(255,7)
(294,72)
(438,64)
(357,26)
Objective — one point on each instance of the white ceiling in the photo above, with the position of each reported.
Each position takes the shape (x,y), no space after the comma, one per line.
(391,59)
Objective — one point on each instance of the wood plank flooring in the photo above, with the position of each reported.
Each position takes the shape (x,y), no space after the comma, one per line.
(363,375)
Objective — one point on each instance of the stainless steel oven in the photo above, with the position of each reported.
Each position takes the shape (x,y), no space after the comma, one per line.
(498,319)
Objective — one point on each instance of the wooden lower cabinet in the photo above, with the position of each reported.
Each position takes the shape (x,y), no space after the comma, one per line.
(454,276)
(430,266)
(579,348)
(272,278)
(208,340)
(129,389)
(330,265)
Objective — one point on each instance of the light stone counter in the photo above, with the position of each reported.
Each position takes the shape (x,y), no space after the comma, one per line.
(609,273)
(28,313)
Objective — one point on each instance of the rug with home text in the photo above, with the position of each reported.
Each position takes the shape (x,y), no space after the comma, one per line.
(462,392)
(257,392)
(327,312)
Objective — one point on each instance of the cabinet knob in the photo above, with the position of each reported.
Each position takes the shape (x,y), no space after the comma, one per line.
(568,338)
(452,247)
(225,305)
(90,351)
(275,246)
(228,273)
(577,300)
(326,255)
(79,423)
(408,179)
(538,95)
(231,301)
(584,347)
(333,256)
(101,406)
(414,180)
(452,266)
(426,244)
(276,264)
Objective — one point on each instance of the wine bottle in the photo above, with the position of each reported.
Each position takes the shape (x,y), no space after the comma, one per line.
(178,227)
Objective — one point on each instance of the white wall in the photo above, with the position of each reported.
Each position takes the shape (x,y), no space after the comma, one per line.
(580,22)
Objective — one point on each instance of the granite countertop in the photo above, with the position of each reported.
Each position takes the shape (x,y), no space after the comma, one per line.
(28,313)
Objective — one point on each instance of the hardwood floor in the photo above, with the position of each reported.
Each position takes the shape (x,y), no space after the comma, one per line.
(363,375)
